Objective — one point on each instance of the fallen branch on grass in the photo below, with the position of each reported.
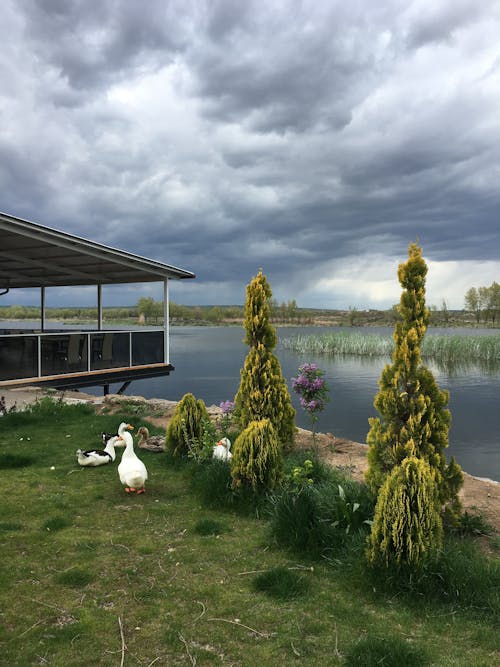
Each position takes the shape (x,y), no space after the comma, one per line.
(266,635)
(124,647)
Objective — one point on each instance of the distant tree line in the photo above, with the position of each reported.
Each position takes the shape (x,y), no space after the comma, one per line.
(484,302)
(16,312)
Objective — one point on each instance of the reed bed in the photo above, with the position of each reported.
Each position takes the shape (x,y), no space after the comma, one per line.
(440,348)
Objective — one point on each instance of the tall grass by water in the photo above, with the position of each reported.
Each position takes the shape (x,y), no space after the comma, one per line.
(448,350)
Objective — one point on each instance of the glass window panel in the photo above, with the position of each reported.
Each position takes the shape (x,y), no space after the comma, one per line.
(147,347)
(64,354)
(109,350)
(18,357)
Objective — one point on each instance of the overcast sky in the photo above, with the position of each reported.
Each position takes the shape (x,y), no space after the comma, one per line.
(313,139)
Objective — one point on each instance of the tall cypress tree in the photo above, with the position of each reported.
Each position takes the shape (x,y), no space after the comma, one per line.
(263,393)
(414,420)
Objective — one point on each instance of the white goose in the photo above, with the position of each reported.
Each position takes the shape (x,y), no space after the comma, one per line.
(131,470)
(98,457)
(121,429)
(221,450)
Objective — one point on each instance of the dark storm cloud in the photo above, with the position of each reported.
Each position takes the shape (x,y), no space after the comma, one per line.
(93,42)
(286,72)
(301,137)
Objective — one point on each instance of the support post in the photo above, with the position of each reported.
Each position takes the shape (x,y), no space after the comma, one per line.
(166,323)
(99,307)
(42,308)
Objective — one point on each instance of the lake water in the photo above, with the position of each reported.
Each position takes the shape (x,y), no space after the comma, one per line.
(208,360)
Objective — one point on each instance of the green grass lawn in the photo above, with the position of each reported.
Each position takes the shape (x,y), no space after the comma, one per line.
(92,576)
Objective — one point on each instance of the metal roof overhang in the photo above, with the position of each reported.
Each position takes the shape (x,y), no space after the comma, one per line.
(32,255)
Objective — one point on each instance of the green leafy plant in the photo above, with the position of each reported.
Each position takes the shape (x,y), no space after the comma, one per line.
(348,513)
(302,475)
(200,448)
(320,519)
(472,524)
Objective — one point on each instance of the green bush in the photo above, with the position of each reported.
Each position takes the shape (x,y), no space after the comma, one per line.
(320,519)
(472,525)
(186,428)
(257,461)
(212,482)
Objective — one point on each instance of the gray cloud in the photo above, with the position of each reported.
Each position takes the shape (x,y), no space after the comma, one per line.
(222,137)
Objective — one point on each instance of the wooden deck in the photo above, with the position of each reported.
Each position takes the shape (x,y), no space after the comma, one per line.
(103,378)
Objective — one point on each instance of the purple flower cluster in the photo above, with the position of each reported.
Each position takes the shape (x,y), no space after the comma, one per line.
(311,387)
(227,407)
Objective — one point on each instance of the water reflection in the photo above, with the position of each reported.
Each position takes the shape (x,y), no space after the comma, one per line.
(454,367)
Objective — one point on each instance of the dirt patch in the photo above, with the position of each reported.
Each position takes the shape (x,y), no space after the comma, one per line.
(479,496)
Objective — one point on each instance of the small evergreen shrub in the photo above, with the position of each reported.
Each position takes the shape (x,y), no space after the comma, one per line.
(414,418)
(263,392)
(372,651)
(407,527)
(282,583)
(186,428)
(257,461)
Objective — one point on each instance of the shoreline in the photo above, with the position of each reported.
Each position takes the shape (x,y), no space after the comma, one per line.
(22,396)
(479,495)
